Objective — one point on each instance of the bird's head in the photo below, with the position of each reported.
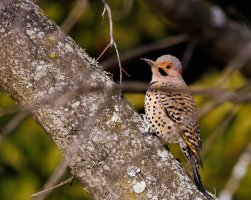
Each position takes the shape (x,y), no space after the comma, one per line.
(166,66)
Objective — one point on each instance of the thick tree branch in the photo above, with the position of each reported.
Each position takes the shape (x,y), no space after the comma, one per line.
(112,159)
(209,26)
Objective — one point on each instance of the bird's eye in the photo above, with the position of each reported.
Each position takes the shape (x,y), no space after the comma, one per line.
(168,67)
(162,72)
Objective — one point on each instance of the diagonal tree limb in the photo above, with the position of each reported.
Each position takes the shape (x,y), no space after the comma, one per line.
(112,159)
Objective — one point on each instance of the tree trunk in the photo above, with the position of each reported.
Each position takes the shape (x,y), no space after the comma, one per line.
(41,69)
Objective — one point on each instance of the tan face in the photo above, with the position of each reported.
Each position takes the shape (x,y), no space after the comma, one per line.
(166,68)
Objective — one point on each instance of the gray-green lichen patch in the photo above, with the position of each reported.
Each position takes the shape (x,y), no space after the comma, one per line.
(132,171)
(139,187)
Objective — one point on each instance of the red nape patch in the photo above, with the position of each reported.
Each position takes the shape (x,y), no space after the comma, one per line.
(180,71)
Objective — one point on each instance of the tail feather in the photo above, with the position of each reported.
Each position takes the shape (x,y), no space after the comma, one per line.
(194,163)
(196,154)
(198,181)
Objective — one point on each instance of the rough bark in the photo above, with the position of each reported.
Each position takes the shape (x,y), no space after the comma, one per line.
(113,158)
(208,25)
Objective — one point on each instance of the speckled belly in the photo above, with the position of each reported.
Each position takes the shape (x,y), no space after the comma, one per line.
(157,117)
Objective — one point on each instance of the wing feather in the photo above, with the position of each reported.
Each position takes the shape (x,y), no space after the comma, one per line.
(180,108)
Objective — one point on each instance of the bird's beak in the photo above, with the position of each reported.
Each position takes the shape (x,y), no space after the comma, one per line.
(148,61)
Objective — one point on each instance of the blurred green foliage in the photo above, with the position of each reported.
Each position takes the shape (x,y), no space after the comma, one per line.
(28,157)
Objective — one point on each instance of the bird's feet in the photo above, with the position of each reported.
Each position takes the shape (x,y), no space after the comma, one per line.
(148,128)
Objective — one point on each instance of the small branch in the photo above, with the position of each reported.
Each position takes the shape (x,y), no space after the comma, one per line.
(114,44)
(12,124)
(75,14)
(112,41)
(188,54)
(220,129)
(54,179)
(239,171)
(125,11)
(67,181)
(241,95)
(208,107)
(59,98)
(234,65)
(132,53)
(8,110)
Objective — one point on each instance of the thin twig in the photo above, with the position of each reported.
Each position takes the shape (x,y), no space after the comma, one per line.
(105,49)
(12,124)
(67,181)
(8,110)
(223,125)
(236,64)
(132,53)
(188,54)
(240,169)
(242,95)
(54,179)
(74,15)
(114,44)
(207,107)
(125,11)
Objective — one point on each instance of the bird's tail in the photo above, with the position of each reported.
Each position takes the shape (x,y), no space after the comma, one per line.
(195,170)
(198,181)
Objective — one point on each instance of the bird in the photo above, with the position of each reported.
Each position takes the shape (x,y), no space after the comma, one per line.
(170,111)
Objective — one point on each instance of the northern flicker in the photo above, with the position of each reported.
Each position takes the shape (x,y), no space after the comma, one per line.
(171,112)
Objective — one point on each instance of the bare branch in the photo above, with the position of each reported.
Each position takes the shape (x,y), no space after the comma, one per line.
(220,129)
(239,171)
(75,14)
(59,98)
(235,64)
(125,11)
(67,181)
(12,124)
(188,54)
(114,44)
(208,107)
(50,185)
(132,53)
(8,110)
(241,95)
